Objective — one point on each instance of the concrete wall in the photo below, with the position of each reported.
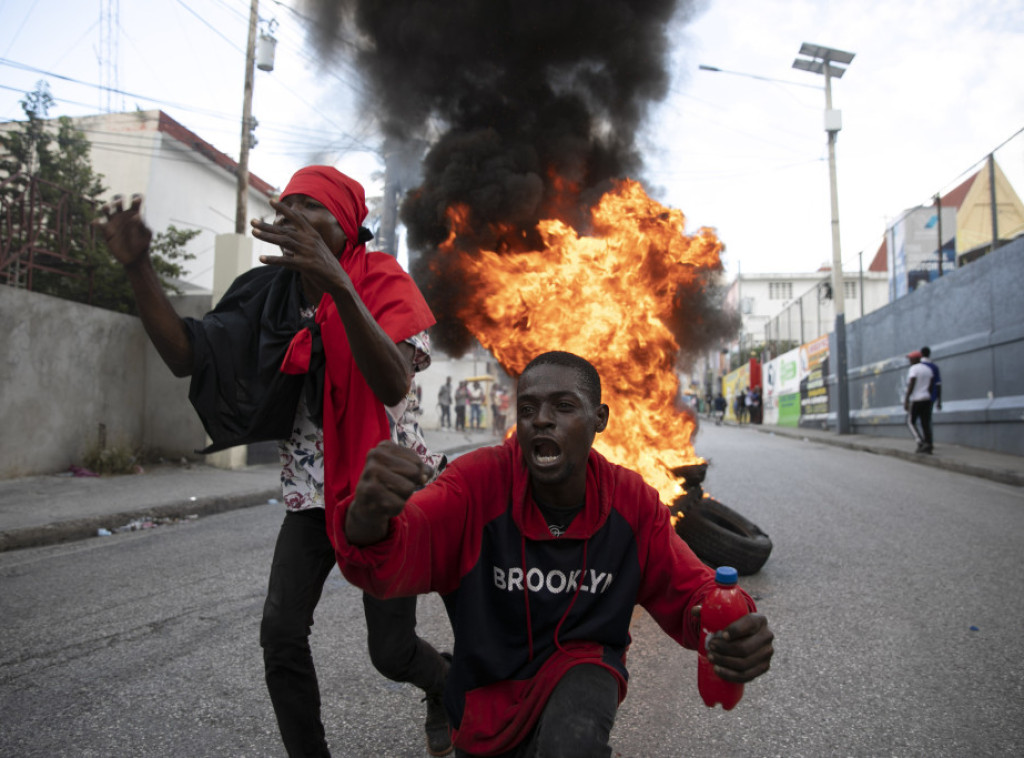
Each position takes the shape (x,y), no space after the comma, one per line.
(973,320)
(67,368)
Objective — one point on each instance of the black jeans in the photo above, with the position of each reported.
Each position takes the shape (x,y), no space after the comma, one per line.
(303,558)
(577,720)
(921,410)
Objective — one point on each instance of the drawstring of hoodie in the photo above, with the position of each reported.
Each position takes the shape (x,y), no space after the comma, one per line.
(572,602)
(526,595)
(526,599)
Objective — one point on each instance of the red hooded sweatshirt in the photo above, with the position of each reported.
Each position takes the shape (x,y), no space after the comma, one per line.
(526,606)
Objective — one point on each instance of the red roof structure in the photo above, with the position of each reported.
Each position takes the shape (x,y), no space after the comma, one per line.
(187,137)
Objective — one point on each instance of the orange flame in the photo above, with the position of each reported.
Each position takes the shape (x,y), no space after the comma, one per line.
(605,297)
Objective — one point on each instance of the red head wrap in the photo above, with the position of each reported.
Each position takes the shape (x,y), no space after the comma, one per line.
(342,195)
(354,419)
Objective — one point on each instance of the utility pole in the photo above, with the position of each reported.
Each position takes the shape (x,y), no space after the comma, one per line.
(992,200)
(822,61)
(241,209)
(860,284)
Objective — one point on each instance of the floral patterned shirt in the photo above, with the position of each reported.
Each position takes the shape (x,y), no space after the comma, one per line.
(302,454)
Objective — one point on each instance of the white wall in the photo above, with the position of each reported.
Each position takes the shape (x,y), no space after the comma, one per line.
(181,186)
(818,315)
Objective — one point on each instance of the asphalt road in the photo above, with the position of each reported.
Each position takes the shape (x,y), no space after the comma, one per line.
(892,589)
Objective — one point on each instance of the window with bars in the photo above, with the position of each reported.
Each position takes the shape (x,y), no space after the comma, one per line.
(849,290)
(780,290)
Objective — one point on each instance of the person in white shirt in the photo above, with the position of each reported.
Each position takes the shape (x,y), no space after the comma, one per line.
(918,401)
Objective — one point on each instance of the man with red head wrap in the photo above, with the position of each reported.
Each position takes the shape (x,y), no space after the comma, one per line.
(316,349)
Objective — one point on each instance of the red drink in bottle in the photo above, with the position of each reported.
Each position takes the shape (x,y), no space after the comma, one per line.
(723,605)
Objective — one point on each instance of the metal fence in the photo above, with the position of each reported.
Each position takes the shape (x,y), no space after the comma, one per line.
(808,316)
(37,234)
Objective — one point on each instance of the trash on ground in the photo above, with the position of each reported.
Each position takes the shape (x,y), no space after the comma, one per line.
(139,524)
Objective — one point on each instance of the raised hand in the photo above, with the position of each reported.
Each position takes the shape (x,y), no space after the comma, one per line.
(391,474)
(310,241)
(126,234)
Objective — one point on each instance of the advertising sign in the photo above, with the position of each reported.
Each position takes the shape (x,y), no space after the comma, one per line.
(734,384)
(813,369)
(782,390)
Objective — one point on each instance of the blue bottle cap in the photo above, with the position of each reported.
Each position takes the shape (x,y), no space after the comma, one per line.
(726,575)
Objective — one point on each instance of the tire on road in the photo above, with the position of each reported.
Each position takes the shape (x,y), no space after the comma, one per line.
(719,536)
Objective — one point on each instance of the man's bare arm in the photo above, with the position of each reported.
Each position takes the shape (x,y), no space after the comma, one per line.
(128,238)
(382,363)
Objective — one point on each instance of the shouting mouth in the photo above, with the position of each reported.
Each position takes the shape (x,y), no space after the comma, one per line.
(546,452)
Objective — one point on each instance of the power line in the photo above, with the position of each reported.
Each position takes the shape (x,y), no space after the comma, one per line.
(231,118)
(211,27)
(73,80)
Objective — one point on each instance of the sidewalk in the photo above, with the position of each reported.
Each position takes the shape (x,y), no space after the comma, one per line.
(998,467)
(48,509)
(44,510)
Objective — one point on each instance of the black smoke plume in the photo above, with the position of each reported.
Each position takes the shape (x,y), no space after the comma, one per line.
(531,110)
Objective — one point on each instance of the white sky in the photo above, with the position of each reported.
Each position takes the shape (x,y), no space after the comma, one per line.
(934,87)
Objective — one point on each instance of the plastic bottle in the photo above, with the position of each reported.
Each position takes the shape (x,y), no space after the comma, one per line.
(723,605)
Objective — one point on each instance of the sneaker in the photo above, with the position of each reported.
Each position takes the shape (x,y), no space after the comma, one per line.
(439,739)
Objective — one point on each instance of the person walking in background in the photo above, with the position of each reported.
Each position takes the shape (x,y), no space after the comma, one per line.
(720,406)
(926,359)
(740,406)
(499,408)
(315,349)
(504,404)
(918,401)
(495,394)
(444,402)
(476,405)
(461,402)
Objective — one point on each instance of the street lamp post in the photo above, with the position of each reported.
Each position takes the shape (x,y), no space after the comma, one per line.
(822,60)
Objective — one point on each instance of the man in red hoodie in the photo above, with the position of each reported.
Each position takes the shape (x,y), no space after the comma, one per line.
(540,548)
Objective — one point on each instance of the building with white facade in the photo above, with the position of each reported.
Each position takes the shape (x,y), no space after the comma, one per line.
(798,307)
(185,182)
(184,179)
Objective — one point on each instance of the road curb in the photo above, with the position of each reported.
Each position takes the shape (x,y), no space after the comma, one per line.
(83,528)
(997,475)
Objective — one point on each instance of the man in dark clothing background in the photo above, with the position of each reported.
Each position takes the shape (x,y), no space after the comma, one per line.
(324,339)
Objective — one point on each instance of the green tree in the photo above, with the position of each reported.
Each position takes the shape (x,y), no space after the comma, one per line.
(51,194)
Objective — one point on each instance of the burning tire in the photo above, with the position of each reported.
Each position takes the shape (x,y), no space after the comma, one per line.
(720,536)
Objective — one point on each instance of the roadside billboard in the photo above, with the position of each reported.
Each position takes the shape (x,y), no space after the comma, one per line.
(782,390)
(813,370)
(734,383)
